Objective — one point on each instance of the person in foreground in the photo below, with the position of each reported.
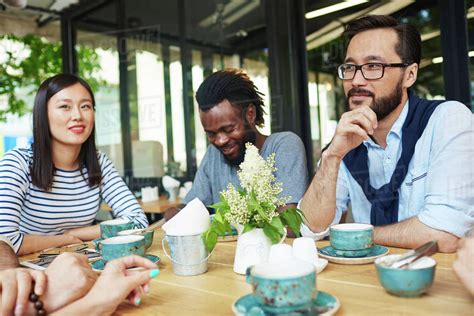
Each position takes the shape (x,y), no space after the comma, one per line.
(70,287)
(114,285)
(51,192)
(231,110)
(65,280)
(404,163)
(464,264)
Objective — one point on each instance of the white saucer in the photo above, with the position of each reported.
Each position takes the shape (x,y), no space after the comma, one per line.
(321,265)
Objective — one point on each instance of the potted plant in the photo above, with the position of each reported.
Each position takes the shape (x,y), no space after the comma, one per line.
(253,209)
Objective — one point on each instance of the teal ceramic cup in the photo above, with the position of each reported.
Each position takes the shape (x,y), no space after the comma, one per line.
(410,282)
(112,227)
(148,235)
(352,240)
(121,246)
(283,287)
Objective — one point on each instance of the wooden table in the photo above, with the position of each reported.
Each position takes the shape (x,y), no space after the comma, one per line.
(356,287)
(155,207)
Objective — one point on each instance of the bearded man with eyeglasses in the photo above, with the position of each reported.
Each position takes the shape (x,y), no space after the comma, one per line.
(404,163)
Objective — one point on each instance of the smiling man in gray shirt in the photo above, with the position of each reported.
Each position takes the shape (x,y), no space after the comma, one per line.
(231,109)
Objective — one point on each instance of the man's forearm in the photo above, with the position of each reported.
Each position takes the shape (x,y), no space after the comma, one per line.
(319,202)
(412,233)
(8,258)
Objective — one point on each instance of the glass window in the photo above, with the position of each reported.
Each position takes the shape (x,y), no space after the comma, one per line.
(314,114)
(149,150)
(426,18)
(258,73)
(176,81)
(219,34)
(28,55)
(106,92)
(470,33)
(217,62)
(198,78)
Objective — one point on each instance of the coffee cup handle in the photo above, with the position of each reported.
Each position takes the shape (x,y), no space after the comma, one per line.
(174,261)
(248,275)
(98,246)
(284,235)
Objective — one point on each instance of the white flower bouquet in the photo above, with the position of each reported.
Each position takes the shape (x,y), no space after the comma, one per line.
(255,204)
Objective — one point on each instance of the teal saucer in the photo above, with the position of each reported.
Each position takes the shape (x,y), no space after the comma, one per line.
(330,254)
(99,265)
(323,304)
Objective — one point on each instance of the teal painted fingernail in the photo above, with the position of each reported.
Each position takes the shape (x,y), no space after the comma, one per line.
(138,301)
(154,273)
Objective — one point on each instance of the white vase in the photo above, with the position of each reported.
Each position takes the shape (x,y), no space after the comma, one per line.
(253,247)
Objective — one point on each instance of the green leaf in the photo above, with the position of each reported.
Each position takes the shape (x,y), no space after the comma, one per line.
(277,224)
(218,217)
(228,228)
(272,233)
(44,60)
(222,205)
(210,239)
(219,228)
(292,218)
(247,228)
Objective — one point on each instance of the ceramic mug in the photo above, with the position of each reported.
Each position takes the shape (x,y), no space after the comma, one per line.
(304,248)
(352,239)
(283,287)
(406,282)
(112,227)
(147,234)
(280,252)
(121,246)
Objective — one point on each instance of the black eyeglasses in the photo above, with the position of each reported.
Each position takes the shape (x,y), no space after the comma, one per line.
(370,71)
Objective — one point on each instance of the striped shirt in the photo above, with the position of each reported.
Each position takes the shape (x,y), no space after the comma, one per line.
(71,203)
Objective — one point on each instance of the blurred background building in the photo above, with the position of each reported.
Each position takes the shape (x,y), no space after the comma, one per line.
(146,58)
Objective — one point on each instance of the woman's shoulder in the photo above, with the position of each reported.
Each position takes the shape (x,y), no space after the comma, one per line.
(103,159)
(18,161)
(105,162)
(21,155)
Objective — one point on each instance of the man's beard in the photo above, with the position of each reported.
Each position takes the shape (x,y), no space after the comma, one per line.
(382,106)
(249,137)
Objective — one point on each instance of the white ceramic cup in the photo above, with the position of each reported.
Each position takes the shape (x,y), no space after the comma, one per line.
(304,248)
(280,253)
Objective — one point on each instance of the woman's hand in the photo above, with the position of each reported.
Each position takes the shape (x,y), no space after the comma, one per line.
(70,239)
(84,233)
(16,285)
(114,285)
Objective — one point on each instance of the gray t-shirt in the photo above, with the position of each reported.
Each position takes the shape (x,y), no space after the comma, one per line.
(214,173)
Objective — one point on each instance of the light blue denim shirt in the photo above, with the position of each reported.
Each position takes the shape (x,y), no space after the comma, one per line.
(439,185)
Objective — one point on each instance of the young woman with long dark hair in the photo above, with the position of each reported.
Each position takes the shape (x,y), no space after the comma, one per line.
(51,192)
